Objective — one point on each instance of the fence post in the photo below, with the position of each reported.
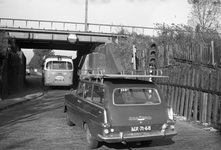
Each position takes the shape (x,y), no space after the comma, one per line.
(210,99)
(212,49)
(183,95)
(176,91)
(166,93)
(165,87)
(171,87)
(216,101)
(201,53)
(196,100)
(179,92)
(191,96)
(204,111)
(172,96)
(186,102)
(175,99)
(201,95)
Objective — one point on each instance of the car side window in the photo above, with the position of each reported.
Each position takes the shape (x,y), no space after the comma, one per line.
(98,95)
(88,91)
(80,90)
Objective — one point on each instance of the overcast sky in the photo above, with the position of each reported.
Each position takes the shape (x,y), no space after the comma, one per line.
(144,13)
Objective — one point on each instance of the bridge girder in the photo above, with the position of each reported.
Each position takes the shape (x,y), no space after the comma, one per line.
(55,45)
(57,39)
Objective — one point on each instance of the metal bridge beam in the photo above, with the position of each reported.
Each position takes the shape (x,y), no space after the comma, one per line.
(59,36)
(57,39)
(50,45)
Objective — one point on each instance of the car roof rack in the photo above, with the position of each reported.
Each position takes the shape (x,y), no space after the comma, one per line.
(100,74)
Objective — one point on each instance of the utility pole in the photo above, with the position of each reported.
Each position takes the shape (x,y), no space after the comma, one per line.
(86,62)
(134,58)
(212,49)
(86,14)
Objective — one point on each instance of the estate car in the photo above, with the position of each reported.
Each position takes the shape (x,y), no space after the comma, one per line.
(118,108)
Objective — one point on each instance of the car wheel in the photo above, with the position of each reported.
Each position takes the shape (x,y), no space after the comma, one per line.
(92,143)
(68,120)
(146,143)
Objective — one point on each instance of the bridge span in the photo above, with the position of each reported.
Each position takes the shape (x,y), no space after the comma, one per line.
(38,35)
(43,34)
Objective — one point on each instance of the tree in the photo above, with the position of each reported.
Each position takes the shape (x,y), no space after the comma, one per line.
(205,14)
(3,44)
(37,59)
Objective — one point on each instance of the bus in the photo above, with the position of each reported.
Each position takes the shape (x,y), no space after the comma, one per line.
(57,70)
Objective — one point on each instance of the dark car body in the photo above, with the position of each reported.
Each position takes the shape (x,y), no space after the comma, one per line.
(119,110)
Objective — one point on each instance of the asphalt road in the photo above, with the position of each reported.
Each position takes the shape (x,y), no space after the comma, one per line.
(40,125)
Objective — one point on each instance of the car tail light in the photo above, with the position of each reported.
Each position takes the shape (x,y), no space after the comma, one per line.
(106,131)
(172,127)
(164,126)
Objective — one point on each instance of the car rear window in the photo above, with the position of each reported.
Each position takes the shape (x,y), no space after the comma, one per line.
(136,96)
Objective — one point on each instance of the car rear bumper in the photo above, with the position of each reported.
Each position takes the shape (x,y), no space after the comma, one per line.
(138,137)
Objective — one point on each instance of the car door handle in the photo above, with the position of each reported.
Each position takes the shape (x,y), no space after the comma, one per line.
(79,101)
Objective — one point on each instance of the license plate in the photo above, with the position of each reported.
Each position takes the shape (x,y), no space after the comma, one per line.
(140,128)
(59,78)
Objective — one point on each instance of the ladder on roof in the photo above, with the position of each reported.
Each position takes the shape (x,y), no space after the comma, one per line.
(100,74)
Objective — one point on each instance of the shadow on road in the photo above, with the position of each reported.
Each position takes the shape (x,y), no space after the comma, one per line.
(28,111)
(156,143)
(28,114)
(18,144)
(25,112)
(32,85)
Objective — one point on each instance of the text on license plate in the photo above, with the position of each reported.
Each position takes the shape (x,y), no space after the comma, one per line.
(140,128)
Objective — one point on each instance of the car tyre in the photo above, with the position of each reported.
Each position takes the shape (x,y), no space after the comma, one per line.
(146,143)
(92,143)
(68,121)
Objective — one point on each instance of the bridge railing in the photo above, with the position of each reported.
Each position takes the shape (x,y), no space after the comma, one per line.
(73,26)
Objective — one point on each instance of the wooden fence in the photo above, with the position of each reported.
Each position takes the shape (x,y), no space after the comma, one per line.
(192,52)
(194,93)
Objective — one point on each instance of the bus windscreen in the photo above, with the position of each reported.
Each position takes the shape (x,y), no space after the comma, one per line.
(59,65)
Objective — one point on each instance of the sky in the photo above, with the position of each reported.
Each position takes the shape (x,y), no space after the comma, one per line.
(143,13)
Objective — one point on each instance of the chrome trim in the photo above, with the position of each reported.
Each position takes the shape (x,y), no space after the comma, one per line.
(105,116)
(151,135)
